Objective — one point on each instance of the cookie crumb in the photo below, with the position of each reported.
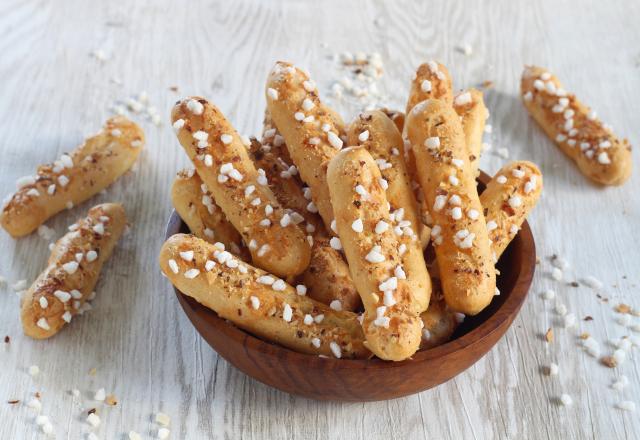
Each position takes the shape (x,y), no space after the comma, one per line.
(609,361)
(622,308)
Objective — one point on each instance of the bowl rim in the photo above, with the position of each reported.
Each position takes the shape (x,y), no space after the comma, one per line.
(507,310)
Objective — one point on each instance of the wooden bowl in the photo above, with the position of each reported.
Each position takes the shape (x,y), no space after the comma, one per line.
(369,380)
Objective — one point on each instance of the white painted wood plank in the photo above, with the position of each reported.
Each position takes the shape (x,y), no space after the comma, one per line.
(144,349)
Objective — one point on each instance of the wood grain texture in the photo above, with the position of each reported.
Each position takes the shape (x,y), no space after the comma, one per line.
(145,350)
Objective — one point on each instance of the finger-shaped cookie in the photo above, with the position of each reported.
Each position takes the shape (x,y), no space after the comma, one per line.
(74,178)
(242,192)
(459,233)
(379,136)
(327,277)
(196,206)
(309,129)
(431,81)
(391,324)
(469,105)
(60,291)
(272,156)
(258,302)
(575,129)
(508,199)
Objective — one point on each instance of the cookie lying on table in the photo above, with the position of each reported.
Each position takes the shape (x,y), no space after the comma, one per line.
(598,152)
(61,290)
(74,178)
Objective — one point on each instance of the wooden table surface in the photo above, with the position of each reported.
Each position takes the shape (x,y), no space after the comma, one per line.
(63,66)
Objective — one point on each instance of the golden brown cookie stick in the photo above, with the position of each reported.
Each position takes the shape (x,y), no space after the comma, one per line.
(309,129)
(518,184)
(459,233)
(469,105)
(508,199)
(575,129)
(259,302)
(60,291)
(379,136)
(391,324)
(431,81)
(74,178)
(242,192)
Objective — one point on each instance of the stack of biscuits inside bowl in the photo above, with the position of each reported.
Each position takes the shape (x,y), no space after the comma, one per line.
(315,237)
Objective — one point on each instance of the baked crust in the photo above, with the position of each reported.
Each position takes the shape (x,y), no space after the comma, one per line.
(196,206)
(309,127)
(598,152)
(79,175)
(242,192)
(233,289)
(61,290)
(459,232)
(391,325)
(380,137)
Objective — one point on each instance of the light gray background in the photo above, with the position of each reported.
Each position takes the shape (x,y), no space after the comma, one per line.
(141,344)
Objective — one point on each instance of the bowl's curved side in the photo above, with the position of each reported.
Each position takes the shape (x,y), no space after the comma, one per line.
(367,380)
(317,379)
